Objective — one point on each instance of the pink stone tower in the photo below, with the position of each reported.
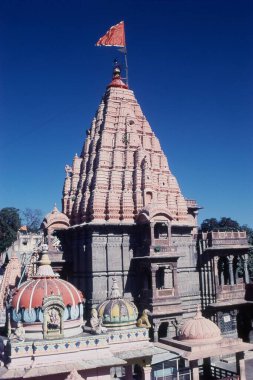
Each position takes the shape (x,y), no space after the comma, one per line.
(122,168)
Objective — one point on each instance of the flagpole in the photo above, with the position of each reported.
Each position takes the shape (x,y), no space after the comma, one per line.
(126,66)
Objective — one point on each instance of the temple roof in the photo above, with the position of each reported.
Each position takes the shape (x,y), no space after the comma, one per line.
(122,168)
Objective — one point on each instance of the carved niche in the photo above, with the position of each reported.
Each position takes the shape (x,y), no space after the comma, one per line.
(53,311)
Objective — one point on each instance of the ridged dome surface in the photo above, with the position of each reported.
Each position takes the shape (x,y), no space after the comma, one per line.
(32,292)
(55,216)
(199,327)
(117,312)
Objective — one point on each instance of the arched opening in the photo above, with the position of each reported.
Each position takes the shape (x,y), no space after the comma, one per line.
(163,330)
(160,278)
(223,271)
(161,231)
(149,197)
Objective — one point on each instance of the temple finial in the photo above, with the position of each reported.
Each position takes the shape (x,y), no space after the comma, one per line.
(115,290)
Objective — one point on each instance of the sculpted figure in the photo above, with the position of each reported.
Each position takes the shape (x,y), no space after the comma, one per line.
(54,319)
(96,323)
(143,320)
(19,333)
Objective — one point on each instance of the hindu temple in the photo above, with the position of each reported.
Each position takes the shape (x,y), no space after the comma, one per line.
(129,219)
(113,288)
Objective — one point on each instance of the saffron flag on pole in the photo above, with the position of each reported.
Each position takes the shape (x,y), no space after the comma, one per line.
(114,37)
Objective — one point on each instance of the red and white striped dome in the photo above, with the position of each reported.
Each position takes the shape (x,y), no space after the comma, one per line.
(31,293)
(45,283)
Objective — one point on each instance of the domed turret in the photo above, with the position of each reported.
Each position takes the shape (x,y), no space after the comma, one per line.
(117,311)
(55,219)
(29,301)
(199,328)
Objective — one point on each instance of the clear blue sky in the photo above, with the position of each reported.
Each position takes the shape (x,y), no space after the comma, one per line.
(190,66)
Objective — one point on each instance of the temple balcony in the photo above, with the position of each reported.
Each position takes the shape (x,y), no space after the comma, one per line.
(217,240)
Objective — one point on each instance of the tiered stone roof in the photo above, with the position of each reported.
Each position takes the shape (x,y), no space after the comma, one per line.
(122,168)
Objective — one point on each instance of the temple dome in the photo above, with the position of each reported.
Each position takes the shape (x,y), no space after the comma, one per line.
(55,217)
(28,300)
(199,327)
(117,311)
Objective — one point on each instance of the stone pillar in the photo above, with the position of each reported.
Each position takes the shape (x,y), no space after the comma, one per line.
(195,369)
(245,267)
(240,365)
(146,371)
(168,278)
(157,323)
(152,234)
(230,267)
(216,274)
(153,274)
(175,280)
(128,372)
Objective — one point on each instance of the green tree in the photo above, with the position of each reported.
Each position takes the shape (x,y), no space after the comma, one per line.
(224,224)
(32,218)
(9,225)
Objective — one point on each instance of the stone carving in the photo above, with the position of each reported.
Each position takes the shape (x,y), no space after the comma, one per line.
(125,151)
(53,311)
(96,323)
(143,321)
(19,333)
(54,319)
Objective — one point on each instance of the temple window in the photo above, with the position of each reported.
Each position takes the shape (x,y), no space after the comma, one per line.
(161,231)
(149,197)
(160,278)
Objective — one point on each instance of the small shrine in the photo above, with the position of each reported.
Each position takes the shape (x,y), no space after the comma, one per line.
(199,339)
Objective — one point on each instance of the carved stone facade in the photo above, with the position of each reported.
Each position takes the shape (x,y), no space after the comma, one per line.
(129,218)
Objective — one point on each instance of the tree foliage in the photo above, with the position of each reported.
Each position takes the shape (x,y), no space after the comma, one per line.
(224,224)
(9,225)
(32,218)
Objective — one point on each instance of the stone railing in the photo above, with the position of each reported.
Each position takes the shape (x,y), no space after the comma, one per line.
(223,238)
(230,292)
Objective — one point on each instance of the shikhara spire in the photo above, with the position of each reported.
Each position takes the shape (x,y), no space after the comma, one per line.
(122,168)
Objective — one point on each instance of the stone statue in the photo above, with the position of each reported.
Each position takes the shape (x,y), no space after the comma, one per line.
(96,323)
(54,319)
(19,333)
(143,320)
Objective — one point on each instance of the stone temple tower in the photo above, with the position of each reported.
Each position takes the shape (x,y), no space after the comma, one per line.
(128,217)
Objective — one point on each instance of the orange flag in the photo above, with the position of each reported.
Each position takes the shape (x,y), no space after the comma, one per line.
(114,37)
